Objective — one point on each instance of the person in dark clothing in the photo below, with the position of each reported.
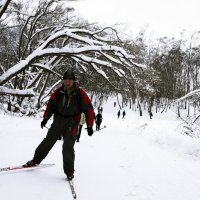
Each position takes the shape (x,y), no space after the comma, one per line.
(101,110)
(150,113)
(66,105)
(123,114)
(118,114)
(98,120)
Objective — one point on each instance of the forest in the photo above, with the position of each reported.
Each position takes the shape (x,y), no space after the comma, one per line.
(38,43)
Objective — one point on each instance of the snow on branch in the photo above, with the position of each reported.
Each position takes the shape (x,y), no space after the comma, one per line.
(95,34)
(103,74)
(86,48)
(16,92)
(53,51)
(189,95)
(42,66)
(90,45)
(100,62)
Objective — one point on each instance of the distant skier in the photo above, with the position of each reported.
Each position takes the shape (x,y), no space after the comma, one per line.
(114,104)
(118,114)
(98,120)
(101,109)
(150,113)
(123,114)
(82,122)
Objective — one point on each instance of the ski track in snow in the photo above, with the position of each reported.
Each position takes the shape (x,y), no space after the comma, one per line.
(131,159)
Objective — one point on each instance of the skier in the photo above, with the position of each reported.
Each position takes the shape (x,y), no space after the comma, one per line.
(123,114)
(66,104)
(150,112)
(82,122)
(98,120)
(118,114)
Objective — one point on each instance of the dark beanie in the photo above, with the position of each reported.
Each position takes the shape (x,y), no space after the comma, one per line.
(69,74)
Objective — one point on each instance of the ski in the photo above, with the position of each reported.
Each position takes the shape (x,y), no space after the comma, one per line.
(20,167)
(71,184)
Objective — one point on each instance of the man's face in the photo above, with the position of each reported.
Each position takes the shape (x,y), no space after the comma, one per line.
(68,83)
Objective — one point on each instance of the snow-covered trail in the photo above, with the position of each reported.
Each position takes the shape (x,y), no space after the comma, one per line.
(136,158)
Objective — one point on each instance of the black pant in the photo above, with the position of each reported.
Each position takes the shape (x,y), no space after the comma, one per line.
(69,136)
(98,124)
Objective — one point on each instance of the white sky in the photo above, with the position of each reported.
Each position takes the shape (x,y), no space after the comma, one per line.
(160,17)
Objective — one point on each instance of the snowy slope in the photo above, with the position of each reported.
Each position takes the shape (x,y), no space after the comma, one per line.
(132,159)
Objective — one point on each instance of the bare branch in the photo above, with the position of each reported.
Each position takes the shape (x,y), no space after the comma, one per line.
(3,6)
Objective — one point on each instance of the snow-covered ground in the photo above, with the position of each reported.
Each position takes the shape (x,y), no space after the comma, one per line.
(131,159)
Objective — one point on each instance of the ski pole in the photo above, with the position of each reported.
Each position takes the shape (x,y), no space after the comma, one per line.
(99,129)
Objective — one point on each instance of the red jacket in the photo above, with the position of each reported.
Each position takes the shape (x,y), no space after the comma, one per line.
(70,105)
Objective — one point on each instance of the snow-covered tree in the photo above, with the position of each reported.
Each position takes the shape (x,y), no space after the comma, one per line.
(190,117)
(49,43)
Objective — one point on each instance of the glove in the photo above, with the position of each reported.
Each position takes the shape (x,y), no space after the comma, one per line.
(90,131)
(43,122)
